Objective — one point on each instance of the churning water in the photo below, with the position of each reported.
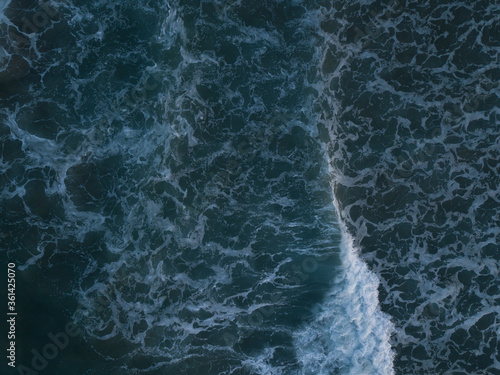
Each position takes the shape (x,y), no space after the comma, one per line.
(253,187)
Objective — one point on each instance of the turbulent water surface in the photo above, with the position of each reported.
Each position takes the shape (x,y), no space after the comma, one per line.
(252,187)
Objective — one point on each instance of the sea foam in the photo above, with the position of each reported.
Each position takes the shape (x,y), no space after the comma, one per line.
(349,334)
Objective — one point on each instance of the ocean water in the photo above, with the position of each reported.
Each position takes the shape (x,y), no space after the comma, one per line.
(251,187)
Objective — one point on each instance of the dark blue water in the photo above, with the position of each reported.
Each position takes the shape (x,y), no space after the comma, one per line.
(251,187)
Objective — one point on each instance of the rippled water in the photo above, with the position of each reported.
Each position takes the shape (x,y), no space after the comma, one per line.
(253,187)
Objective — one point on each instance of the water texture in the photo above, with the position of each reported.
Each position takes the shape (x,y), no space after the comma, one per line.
(253,187)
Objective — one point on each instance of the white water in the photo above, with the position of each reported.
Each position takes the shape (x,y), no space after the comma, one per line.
(349,331)
(350,335)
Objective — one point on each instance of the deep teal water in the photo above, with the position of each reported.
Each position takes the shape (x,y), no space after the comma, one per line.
(252,187)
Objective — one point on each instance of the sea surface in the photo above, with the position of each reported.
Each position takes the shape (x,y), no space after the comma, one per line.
(251,187)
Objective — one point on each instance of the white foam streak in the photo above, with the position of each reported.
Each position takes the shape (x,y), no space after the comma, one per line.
(350,334)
